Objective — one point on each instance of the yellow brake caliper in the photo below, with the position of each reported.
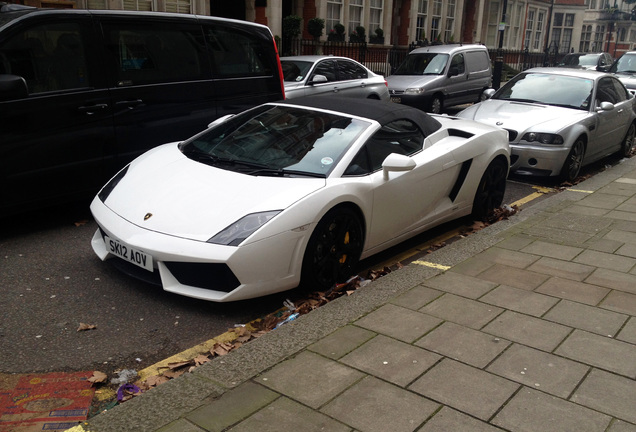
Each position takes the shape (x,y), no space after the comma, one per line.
(343,258)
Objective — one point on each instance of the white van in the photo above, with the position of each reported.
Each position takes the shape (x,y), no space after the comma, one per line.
(439,76)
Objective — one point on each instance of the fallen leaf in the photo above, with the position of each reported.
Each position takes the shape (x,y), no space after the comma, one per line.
(177,365)
(98,377)
(200,359)
(84,326)
(155,380)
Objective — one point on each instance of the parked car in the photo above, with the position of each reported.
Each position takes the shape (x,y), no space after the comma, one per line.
(315,74)
(625,69)
(601,61)
(559,120)
(83,92)
(294,192)
(439,76)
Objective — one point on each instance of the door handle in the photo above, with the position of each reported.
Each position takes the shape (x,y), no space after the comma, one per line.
(336,89)
(129,103)
(92,109)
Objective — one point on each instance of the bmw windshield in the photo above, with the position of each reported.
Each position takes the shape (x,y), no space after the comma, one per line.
(548,89)
(277,141)
(423,64)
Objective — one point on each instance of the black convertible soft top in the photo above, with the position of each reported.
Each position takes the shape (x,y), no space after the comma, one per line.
(380,111)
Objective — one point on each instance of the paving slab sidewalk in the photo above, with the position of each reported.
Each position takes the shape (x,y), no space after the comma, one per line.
(527,325)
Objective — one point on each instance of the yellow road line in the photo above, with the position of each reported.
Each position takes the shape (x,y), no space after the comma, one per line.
(432,265)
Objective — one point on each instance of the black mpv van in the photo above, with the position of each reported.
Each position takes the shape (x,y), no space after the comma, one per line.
(84,92)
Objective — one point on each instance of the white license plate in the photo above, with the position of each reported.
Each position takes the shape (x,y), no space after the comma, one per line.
(128,253)
(396,99)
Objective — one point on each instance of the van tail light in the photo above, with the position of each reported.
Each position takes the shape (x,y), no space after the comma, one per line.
(386,83)
(280,69)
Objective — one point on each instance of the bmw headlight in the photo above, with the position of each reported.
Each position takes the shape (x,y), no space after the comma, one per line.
(414,91)
(242,228)
(543,138)
(106,190)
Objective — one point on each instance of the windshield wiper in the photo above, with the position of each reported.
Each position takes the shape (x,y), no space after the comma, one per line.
(217,160)
(524,100)
(281,172)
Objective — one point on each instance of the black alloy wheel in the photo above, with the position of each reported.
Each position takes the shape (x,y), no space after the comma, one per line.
(333,250)
(628,143)
(574,161)
(491,189)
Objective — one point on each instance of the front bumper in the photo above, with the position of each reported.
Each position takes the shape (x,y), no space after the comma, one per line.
(421,101)
(204,270)
(537,160)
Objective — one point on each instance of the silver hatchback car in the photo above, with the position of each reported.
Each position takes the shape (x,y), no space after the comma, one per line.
(560,119)
(316,74)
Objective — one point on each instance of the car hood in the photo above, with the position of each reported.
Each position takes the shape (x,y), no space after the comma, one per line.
(522,116)
(192,200)
(402,82)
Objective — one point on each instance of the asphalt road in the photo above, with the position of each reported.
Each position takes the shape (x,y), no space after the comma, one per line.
(52,282)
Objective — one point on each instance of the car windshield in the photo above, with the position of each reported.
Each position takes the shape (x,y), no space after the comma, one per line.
(548,89)
(423,64)
(580,60)
(296,70)
(625,64)
(277,140)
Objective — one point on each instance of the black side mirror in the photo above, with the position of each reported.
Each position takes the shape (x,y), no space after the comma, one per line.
(13,87)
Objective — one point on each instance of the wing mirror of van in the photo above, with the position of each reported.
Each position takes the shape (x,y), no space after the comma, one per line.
(317,79)
(453,71)
(13,87)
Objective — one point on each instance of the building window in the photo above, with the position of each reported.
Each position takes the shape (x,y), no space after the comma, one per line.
(178,6)
(420,26)
(355,14)
(538,34)
(516,26)
(621,34)
(529,28)
(586,38)
(375,16)
(143,5)
(450,21)
(562,32)
(436,20)
(334,8)
(598,38)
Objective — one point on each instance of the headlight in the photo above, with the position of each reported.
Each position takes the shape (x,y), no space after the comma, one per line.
(106,190)
(543,138)
(414,91)
(243,228)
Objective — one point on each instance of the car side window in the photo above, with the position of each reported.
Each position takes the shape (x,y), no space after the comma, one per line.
(49,57)
(457,66)
(399,136)
(348,70)
(621,91)
(606,91)
(327,69)
(150,53)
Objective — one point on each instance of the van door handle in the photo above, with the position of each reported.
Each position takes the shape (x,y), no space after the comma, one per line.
(92,109)
(363,85)
(129,103)
(335,89)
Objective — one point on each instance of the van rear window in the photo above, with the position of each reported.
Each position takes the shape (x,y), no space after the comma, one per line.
(238,54)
